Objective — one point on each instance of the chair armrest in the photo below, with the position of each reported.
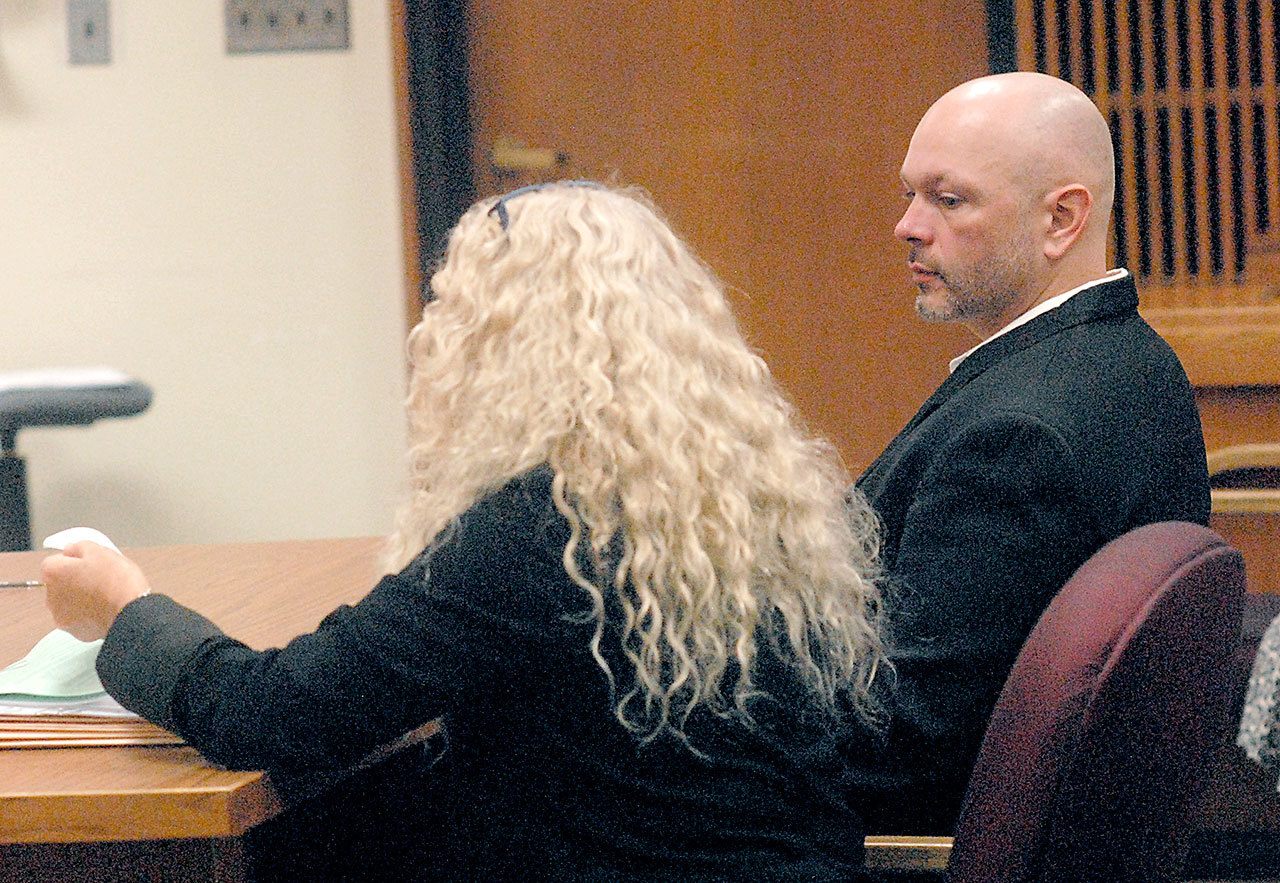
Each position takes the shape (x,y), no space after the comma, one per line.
(1245,501)
(906,853)
(66,397)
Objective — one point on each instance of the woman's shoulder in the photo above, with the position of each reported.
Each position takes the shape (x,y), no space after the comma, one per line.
(515,517)
(524,497)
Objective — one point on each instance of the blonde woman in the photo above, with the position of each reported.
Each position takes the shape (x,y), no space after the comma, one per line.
(632,589)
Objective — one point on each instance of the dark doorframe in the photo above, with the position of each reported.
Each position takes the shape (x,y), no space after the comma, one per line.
(434,120)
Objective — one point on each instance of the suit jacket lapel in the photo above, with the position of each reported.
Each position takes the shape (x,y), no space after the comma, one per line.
(1112,298)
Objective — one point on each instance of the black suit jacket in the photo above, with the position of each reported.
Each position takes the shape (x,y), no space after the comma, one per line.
(1045,443)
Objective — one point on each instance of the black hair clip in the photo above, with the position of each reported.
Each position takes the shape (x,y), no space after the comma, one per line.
(500,207)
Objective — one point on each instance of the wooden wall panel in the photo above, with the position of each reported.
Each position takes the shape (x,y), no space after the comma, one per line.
(772,135)
(1238,415)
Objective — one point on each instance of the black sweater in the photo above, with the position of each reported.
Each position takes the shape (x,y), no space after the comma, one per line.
(539,780)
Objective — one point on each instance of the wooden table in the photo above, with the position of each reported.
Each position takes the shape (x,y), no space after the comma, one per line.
(72,814)
(98,814)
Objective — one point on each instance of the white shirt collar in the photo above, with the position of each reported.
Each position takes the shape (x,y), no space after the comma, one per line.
(1039,310)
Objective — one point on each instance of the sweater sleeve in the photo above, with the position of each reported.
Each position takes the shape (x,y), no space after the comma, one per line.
(418,644)
(323,700)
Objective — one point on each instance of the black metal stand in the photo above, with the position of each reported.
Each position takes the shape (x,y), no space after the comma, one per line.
(15,516)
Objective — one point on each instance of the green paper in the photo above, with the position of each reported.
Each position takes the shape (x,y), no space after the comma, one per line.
(58,666)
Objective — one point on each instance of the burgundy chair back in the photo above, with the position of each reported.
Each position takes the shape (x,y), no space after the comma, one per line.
(1100,740)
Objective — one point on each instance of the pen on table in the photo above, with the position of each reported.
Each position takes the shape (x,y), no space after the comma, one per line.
(21,584)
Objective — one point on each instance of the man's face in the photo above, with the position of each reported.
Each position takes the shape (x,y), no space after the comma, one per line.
(971,230)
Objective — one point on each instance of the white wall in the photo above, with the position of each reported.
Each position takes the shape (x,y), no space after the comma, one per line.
(227,229)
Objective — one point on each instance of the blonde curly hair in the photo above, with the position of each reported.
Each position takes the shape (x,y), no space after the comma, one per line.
(583,334)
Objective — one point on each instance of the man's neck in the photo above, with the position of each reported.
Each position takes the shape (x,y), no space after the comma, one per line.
(1065,278)
(1044,305)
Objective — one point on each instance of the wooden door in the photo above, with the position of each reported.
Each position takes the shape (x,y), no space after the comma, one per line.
(771,134)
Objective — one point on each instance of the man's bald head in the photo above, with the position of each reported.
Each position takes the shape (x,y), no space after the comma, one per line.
(1045,131)
(1010,180)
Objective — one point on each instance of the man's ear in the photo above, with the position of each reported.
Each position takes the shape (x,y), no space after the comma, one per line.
(1069,209)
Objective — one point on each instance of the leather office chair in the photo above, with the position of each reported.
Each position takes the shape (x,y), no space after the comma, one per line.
(1100,740)
(57,397)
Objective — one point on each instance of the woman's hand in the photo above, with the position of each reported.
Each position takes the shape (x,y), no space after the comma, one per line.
(87,585)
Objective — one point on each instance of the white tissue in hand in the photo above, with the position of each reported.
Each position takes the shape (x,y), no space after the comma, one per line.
(64,538)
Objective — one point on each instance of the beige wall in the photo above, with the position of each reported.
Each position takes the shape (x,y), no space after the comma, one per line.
(226,228)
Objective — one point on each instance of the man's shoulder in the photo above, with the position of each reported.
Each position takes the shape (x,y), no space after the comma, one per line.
(1096,333)
(1082,366)
(1096,386)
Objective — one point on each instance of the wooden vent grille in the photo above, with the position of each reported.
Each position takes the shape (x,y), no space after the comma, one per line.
(1189,89)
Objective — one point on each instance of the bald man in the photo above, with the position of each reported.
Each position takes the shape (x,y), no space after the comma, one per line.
(1070,423)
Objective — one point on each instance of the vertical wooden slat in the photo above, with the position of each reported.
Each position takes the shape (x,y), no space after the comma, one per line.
(1102,86)
(1102,69)
(1242,147)
(1154,232)
(1075,45)
(1223,99)
(1197,102)
(1177,186)
(411,247)
(1171,101)
(1049,9)
(1024,21)
(1269,96)
(1125,102)
(1220,97)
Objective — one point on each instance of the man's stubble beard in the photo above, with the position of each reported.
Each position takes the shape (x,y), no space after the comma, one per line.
(979,295)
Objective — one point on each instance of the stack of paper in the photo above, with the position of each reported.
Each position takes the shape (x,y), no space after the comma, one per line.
(52,698)
(79,732)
